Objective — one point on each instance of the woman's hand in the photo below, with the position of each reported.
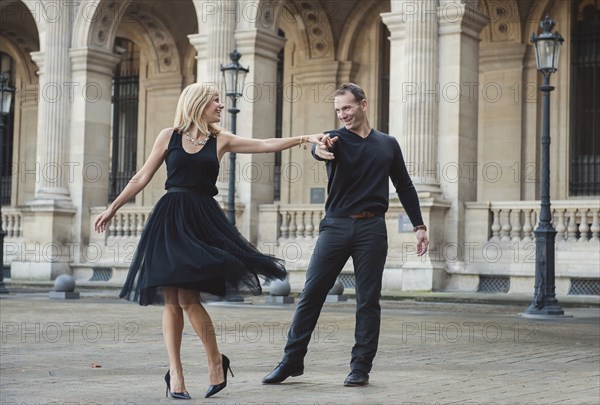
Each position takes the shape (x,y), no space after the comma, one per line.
(313,139)
(103,219)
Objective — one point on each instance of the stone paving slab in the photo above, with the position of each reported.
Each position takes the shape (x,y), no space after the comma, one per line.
(430,353)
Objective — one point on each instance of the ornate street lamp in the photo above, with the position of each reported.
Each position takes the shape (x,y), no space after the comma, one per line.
(234,76)
(544,303)
(6,93)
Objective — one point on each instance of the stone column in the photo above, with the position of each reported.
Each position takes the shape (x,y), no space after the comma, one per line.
(501,102)
(92,71)
(213,46)
(313,85)
(460,24)
(414,24)
(161,94)
(414,76)
(56,89)
(256,119)
(48,219)
(396,24)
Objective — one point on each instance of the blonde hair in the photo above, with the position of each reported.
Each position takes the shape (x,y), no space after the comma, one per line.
(190,107)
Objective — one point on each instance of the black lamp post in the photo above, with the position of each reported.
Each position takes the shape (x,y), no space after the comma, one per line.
(544,303)
(234,76)
(6,93)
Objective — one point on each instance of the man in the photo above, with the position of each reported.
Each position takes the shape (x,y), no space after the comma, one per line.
(359,161)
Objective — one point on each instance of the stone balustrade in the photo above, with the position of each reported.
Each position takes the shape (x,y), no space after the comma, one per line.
(299,221)
(128,222)
(516,221)
(12,223)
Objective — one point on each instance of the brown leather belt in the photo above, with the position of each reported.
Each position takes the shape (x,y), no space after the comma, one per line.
(363,215)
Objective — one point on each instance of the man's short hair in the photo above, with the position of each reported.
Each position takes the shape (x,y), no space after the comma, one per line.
(355,89)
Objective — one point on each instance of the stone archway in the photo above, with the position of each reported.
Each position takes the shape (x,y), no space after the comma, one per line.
(312,16)
(505,21)
(99,31)
(363,12)
(19,37)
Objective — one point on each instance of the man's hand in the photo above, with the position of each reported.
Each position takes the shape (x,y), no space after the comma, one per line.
(323,150)
(422,242)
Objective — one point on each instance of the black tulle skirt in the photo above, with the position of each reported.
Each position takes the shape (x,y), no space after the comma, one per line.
(188,242)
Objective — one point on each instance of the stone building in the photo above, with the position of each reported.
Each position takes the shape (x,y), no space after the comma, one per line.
(454,81)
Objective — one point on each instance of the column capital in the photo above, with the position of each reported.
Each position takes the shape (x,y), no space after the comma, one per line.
(165,83)
(395,23)
(259,42)
(461,16)
(199,41)
(93,60)
(39,58)
(502,56)
(317,73)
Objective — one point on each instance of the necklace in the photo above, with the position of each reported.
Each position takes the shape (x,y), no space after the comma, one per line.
(195,142)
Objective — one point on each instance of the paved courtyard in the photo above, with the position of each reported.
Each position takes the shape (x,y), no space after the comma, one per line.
(101,350)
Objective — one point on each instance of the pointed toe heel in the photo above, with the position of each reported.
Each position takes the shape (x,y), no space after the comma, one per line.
(213,389)
(174,395)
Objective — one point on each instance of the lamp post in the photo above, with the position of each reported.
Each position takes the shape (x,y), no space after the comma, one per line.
(544,303)
(6,93)
(234,76)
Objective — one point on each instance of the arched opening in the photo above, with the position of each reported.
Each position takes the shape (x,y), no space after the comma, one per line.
(8,70)
(125,96)
(585,95)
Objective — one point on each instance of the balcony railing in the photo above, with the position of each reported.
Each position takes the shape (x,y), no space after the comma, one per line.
(574,221)
(12,223)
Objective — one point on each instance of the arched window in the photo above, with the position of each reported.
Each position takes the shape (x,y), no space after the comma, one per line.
(125,91)
(585,95)
(8,68)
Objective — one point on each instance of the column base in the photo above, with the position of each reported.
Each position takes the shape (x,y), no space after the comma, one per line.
(48,248)
(39,269)
(423,277)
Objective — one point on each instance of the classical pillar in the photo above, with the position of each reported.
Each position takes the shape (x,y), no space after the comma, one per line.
(460,24)
(48,219)
(414,29)
(414,79)
(501,91)
(161,94)
(56,89)
(309,100)
(256,119)
(92,70)
(213,46)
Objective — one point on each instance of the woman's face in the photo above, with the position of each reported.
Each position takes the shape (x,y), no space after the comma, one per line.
(212,111)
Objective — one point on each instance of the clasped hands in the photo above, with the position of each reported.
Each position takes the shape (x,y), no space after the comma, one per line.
(323,147)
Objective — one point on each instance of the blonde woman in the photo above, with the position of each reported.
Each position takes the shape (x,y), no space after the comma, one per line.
(187,245)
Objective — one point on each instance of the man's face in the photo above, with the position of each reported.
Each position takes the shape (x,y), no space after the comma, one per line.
(350,112)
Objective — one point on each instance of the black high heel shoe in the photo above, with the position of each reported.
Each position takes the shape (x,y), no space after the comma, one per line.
(213,389)
(174,395)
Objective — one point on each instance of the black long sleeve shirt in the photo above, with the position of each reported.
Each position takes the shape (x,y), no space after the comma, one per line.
(358,176)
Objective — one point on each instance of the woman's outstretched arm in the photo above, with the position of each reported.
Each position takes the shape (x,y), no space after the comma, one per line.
(139,180)
(232,143)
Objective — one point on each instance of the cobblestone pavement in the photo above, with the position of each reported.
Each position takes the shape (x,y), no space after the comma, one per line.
(101,350)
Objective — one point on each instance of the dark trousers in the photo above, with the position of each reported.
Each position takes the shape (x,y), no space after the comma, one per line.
(365,240)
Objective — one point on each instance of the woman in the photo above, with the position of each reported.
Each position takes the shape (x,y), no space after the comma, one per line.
(187,244)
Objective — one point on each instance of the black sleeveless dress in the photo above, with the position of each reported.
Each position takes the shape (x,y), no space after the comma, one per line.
(188,242)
